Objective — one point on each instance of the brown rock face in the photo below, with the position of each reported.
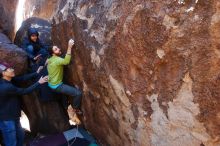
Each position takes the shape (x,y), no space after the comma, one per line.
(12,54)
(40,8)
(7,17)
(149,69)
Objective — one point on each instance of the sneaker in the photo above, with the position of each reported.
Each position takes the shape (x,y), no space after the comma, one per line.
(75,119)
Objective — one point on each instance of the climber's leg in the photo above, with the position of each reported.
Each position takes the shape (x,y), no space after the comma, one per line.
(75,93)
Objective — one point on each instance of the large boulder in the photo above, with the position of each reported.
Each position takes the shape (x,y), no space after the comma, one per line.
(43,27)
(25,9)
(7,17)
(149,69)
(12,54)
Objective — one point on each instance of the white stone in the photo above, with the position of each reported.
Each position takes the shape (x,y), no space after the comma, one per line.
(180,127)
(190,9)
(119,91)
(181,1)
(169,22)
(36,26)
(128,93)
(95,59)
(160,53)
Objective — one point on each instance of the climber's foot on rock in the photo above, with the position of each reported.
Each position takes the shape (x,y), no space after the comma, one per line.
(75,119)
(74,115)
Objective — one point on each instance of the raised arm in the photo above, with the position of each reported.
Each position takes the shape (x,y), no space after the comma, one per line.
(70,45)
(67,58)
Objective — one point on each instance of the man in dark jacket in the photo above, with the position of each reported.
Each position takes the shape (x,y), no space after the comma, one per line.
(10,108)
(35,49)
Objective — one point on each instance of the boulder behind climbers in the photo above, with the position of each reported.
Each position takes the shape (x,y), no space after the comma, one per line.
(42,26)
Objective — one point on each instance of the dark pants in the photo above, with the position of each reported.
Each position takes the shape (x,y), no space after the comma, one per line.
(42,51)
(13,134)
(73,92)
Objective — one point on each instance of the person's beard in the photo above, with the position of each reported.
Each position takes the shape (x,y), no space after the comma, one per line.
(59,54)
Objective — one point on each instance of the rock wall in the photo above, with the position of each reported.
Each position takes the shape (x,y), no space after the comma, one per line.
(7,17)
(149,69)
(40,8)
(31,8)
(12,54)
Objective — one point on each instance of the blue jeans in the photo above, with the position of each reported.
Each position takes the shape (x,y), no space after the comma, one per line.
(12,133)
(42,51)
(73,92)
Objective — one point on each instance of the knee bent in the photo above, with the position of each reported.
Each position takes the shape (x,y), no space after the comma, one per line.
(79,94)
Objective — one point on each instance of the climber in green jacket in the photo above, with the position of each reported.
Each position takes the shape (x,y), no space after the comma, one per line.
(55,66)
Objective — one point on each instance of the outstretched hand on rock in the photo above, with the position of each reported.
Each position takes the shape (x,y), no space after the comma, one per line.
(71,43)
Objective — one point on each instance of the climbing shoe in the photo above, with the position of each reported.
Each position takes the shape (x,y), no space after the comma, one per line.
(75,119)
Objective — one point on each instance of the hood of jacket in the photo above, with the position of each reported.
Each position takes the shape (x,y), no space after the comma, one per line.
(32,31)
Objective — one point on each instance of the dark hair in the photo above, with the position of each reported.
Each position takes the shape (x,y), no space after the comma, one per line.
(50,50)
(32,31)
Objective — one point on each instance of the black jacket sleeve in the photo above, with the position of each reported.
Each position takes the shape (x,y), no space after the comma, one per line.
(25,77)
(24,45)
(21,91)
(30,56)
